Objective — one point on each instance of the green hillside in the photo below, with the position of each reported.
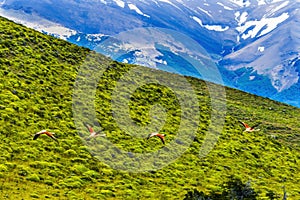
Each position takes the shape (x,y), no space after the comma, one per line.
(43,80)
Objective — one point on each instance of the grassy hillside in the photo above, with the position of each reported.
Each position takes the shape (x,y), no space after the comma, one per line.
(38,75)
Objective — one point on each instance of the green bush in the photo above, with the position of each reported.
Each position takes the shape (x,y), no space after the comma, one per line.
(73,182)
(33,177)
(233,189)
(70,153)
(3,168)
(34,196)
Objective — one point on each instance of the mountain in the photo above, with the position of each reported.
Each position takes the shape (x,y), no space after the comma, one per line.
(48,83)
(254,43)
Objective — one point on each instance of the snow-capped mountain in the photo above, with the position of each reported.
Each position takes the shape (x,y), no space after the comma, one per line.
(254,43)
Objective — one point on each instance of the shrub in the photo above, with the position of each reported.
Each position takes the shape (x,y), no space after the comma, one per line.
(73,182)
(233,189)
(79,169)
(34,196)
(70,153)
(196,195)
(91,174)
(3,168)
(49,182)
(33,177)
(23,171)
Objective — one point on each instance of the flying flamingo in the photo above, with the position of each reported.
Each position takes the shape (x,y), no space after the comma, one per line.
(161,136)
(45,132)
(248,128)
(92,132)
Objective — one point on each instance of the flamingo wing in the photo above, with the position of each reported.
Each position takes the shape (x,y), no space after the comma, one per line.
(91,130)
(162,138)
(54,138)
(42,131)
(98,133)
(244,124)
(255,125)
(36,136)
(51,135)
(151,135)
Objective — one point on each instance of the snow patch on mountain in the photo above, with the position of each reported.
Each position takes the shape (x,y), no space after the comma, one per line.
(225,7)
(261,2)
(120,3)
(261,49)
(210,27)
(259,28)
(169,2)
(241,18)
(103,1)
(205,11)
(251,78)
(216,28)
(277,8)
(94,37)
(136,9)
(197,20)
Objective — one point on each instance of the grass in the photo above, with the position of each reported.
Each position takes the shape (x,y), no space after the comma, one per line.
(38,77)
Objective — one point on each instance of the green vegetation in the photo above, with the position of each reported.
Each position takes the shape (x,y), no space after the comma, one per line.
(233,189)
(37,80)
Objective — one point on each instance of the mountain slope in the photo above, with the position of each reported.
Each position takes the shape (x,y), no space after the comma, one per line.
(238,35)
(252,36)
(38,75)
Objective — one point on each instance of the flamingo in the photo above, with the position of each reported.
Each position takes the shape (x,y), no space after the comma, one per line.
(248,128)
(92,132)
(161,136)
(45,132)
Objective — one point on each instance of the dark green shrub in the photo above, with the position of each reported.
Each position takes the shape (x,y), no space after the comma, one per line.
(3,168)
(33,177)
(234,189)
(34,196)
